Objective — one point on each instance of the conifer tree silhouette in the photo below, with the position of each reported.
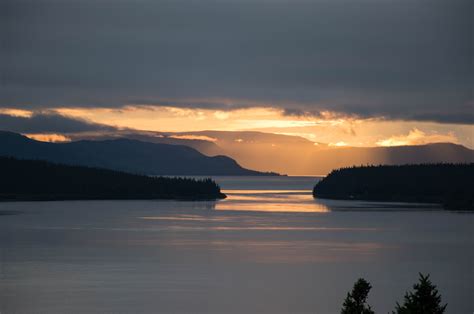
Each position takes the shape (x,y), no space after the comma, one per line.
(356,300)
(425,299)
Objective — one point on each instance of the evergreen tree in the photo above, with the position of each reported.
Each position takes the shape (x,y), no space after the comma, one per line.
(356,300)
(424,300)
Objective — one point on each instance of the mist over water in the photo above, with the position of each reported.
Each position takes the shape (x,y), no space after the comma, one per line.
(268,248)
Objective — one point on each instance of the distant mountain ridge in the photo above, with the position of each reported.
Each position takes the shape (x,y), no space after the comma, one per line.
(298,156)
(205,147)
(395,155)
(291,154)
(123,154)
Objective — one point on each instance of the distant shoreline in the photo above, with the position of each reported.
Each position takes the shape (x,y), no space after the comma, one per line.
(449,185)
(6,199)
(34,180)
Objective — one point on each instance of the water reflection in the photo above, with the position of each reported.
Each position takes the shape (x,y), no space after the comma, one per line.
(302,201)
(271,201)
(196,218)
(148,256)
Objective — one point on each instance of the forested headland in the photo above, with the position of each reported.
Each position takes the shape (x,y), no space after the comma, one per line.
(448,184)
(22,180)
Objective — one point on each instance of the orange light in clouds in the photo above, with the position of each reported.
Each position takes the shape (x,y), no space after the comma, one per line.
(417,137)
(338,144)
(326,128)
(194,137)
(16,112)
(173,119)
(48,137)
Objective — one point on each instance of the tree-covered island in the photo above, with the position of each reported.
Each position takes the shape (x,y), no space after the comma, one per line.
(448,184)
(25,180)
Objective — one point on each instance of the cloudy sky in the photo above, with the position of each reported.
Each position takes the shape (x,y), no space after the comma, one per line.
(329,70)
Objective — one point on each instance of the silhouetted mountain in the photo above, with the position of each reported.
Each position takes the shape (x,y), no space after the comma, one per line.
(41,180)
(447,184)
(327,159)
(206,147)
(298,156)
(292,154)
(123,154)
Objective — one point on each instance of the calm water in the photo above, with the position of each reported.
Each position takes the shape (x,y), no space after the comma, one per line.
(268,248)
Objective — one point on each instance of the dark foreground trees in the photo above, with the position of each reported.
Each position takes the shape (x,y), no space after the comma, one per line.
(356,300)
(424,299)
(24,180)
(447,184)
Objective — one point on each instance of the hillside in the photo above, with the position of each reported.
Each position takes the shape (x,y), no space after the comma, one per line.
(447,184)
(123,154)
(202,145)
(293,155)
(41,180)
(298,156)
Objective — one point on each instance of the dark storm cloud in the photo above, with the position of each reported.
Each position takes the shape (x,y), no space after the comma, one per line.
(48,123)
(405,59)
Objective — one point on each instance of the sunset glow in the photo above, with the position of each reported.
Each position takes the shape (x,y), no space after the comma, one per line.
(16,112)
(236,156)
(48,137)
(328,128)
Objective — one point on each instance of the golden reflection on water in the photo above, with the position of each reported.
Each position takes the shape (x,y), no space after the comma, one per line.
(282,192)
(263,238)
(186,218)
(277,250)
(246,226)
(271,201)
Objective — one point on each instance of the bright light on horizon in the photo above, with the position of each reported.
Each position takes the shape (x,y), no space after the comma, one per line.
(328,128)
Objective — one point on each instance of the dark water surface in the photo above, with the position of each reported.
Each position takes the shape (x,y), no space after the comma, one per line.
(268,248)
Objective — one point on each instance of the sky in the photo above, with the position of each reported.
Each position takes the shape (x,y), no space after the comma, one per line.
(363,73)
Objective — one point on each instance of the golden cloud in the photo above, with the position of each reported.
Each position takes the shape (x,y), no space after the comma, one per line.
(418,137)
(49,137)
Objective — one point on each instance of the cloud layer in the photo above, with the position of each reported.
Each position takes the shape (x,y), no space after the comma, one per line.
(418,137)
(74,124)
(406,59)
(49,123)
